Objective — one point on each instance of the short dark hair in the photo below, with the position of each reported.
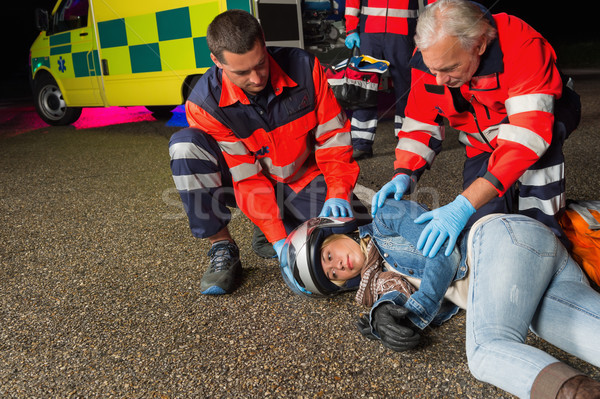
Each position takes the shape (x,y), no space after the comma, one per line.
(235,31)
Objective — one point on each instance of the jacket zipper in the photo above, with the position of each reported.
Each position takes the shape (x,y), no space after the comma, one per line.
(472,110)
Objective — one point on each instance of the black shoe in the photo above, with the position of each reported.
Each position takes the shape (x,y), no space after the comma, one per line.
(261,246)
(224,269)
(362,154)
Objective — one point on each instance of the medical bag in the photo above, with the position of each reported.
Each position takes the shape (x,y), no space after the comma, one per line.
(355,82)
(581,224)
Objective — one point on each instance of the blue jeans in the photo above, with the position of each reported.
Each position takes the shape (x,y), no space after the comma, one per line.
(523,278)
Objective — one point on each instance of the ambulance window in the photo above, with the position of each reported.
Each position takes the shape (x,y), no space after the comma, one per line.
(72,14)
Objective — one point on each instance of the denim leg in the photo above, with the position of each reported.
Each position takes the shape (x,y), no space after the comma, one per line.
(202,180)
(569,315)
(514,260)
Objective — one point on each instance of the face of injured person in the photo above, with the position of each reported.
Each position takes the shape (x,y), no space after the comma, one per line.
(341,258)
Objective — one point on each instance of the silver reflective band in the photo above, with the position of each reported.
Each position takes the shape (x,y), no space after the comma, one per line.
(530,102)
(412,125)
(523,136)
(197,181)
(416,147)
(190,151)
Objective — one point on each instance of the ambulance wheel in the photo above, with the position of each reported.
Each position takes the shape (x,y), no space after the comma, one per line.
(161,111)
(50,104)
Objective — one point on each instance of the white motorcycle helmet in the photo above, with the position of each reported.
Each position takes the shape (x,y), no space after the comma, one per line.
(303,272)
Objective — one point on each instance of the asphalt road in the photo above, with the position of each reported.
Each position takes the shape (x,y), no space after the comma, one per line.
(100,276)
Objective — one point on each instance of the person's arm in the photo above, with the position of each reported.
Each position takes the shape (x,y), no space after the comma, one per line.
(333,148)
(533,84)
(254,192)
(419,141)
(352,14)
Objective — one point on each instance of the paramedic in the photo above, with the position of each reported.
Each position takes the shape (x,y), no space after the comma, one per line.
(384,32)
(495,80)
(266,135)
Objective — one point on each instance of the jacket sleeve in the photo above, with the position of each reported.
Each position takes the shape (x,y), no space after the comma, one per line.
(352,13)
(396,220)
(422,133)
(254,192)
(534,84)
(333,148)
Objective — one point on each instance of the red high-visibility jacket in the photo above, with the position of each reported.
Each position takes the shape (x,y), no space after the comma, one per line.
(510,100)
(302,134)
(382,16)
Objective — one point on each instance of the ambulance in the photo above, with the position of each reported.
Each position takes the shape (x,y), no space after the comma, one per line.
(102,53)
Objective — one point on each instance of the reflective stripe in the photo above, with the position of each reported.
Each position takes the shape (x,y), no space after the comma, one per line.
(549,207)
(490,133)
(233,148)
(416,147)
(542,177)
(529,102)
(353,12)
(190,151)
(398,125)
(360,83)
(244,171)
(389,12)
(525,137)
(339,140)
(361,134)
(370,124)
(197,181)
(284,172)
(411,125)
(337,122)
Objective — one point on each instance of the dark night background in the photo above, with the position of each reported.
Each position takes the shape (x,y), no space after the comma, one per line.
(571,30)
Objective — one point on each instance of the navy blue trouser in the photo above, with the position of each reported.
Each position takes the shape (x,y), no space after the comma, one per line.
(205,186)
(397,49)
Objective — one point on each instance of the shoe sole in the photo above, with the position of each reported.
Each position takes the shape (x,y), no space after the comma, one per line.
(214,290)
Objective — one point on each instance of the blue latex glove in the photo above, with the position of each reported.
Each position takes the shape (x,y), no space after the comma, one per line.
(336,207)
(446,224)
(397,186)
(278,247)
(352,40)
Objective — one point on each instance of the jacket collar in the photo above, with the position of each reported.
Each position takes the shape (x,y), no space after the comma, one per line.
(230,93)
(490,63)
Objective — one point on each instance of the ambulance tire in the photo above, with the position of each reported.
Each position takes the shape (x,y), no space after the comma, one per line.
(161,111)
(50,104)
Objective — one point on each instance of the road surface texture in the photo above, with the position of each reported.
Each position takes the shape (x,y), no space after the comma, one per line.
(100,277)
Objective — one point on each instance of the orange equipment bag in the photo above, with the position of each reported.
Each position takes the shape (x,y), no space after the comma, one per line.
(581,224)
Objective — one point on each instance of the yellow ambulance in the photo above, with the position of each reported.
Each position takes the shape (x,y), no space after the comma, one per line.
(101,53)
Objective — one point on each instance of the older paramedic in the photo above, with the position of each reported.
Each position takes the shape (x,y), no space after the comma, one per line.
(494,78)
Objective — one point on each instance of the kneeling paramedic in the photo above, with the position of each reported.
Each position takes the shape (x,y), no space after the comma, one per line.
(266,135)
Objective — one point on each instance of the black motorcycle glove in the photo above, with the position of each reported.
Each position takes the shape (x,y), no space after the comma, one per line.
(395,330)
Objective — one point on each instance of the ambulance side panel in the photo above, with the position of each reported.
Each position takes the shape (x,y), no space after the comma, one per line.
(147,50)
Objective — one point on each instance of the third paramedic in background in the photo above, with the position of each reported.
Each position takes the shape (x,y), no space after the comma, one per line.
(382,30)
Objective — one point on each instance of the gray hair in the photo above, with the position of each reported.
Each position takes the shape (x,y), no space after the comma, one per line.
(235,31)
(458,18)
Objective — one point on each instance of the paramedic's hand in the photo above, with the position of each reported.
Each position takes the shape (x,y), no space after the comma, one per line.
(446,224)
(336,207)
(395,330)
(352,40)
(397,186)
(281,254)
